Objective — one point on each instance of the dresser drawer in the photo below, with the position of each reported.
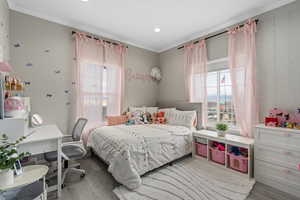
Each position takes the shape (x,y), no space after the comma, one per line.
(278,156)
(287,188)
(277,138)
(280,174)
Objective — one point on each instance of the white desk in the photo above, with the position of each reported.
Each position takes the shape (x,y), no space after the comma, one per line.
(45,139)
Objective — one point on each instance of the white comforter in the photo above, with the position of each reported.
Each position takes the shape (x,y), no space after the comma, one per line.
(134,150)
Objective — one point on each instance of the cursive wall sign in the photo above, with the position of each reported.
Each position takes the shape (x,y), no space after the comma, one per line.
(131,75)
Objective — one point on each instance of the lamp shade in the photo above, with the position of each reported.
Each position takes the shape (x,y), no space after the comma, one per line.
(5,67)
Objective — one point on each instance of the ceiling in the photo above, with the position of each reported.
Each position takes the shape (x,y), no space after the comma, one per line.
(133,21)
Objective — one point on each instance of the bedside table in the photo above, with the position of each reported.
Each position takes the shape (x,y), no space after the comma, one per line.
(28,185)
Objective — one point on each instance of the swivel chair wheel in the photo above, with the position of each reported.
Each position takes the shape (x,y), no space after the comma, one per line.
(82,175)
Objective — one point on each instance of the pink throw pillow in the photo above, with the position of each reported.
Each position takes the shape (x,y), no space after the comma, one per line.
(116,120)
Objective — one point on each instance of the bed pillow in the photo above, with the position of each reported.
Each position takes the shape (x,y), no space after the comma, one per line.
(116,120)
(167,112)
(137,109)
(182,118)
(151,110)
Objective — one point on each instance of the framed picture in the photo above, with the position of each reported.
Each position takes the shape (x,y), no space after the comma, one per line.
(18,168)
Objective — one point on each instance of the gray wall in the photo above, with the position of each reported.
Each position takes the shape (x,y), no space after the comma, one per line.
(278,61)
(42,53)
(4,31)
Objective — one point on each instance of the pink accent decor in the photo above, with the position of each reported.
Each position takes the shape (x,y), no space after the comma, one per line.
(217,155)
(201,149)
(5,67)
(94,58)
(239,163)
(13,104)
(116,120)
(242,64)
(195,69)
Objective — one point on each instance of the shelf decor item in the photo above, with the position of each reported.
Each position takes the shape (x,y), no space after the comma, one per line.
(221,129)
(8,157)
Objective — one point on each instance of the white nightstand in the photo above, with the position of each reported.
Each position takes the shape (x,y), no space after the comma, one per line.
(229,140)
(29,185)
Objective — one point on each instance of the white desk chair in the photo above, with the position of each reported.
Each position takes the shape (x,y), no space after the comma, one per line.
(71,150)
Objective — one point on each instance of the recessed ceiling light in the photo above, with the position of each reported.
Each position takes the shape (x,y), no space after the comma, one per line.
(84,0)
(156,30)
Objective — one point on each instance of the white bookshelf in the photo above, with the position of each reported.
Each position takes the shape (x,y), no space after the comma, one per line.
(228,140)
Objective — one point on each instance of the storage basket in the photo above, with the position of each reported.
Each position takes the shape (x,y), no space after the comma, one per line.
(217,155)
(239,163)
(201,149)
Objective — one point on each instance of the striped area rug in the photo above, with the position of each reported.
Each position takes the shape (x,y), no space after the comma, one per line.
(190,179)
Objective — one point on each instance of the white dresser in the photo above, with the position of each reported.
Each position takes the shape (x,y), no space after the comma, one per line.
(277,158)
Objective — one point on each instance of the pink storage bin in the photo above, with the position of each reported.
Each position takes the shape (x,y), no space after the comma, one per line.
(239,163)
(217,156)
(201,149)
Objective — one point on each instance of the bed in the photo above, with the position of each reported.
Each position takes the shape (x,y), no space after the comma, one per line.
(131,151)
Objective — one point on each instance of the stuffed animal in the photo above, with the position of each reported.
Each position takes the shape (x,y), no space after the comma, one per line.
(147,118)
(282,116)
(271,121)
(296,117)
(159,118)
(137,117)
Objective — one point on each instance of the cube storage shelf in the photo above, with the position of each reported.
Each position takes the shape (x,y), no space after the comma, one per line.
(202,149)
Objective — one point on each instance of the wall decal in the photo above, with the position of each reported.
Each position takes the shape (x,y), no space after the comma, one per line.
(73,83)
(29,65)
(49,95)
(68,103)
(130,75)
(47,51)
(17,45)
(67,91)
(27,82)
(57,71)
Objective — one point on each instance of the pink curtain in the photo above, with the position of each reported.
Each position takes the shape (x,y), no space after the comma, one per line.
(195,68)
(99,80)
(115,63)
(242,64)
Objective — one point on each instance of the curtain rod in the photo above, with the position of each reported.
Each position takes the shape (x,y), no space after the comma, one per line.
(89,36)
(212,36)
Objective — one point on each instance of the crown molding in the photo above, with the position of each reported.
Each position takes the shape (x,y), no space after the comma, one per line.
(97,31)
(75,25)
(228,23)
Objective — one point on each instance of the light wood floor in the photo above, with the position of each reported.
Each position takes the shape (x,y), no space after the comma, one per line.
(98,185)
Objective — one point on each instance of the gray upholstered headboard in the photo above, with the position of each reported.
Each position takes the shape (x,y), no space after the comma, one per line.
(185,106)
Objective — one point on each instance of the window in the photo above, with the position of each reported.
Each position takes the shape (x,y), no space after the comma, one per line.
(219,98)
(95,86)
